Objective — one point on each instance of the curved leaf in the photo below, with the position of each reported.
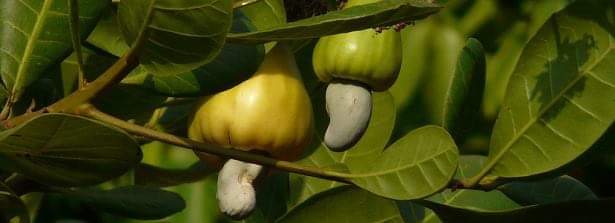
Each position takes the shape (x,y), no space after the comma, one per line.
(560,99)
(570,211)
(344,204)
(132,201)
(66,150)
(547,191)
(360,17)
(31,41)
(235,63)
(265,14)
(178,36)
(417,165)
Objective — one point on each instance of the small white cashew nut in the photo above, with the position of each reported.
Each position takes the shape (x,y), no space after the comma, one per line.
(349,106)
(236,195)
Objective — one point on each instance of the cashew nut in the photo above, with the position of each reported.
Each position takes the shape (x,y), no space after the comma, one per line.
(349,106)
(236,195)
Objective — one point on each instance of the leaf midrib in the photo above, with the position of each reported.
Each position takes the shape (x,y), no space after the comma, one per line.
(560,95)
(397,169)
(36,31)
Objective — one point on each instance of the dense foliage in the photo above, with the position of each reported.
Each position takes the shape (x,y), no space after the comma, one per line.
(502,111)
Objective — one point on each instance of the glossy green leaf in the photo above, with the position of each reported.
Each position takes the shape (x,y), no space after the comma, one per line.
(453,92)
(107,35)
(560,99)
(67,150)
(344,204)
(149,175)
(360,17)
(570,211)
(11,206)
(178,36)
(418,165)
(558,189)
(31,41)
(132,201)
(235,63)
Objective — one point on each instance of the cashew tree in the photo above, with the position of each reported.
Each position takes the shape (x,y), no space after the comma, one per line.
(307,111)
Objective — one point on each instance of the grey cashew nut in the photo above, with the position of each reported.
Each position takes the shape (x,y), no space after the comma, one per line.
(236,195)
(349,106)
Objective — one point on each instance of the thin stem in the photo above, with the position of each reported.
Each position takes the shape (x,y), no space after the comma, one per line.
(92,112)
(74,29)
(114,74)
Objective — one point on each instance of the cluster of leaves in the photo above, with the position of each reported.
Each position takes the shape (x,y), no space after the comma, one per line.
(558,107)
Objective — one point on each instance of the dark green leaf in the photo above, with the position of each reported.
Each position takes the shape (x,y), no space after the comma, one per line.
(12,206)
(563,188)
(149,175)
(235,63)
(360,17)
(474,199)
(421,163)
(178,36)
(132,201)
(570,211)
(271,196)
(344,204)
(35,36)
(67,150)
(129,102)
(560,99)
(453,92)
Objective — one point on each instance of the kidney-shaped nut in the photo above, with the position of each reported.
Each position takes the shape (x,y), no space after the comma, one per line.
(236,195)
(349,106)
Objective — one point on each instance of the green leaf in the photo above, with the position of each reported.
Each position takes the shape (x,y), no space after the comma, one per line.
(560,99)
(558,189)
(129,102)
(417,165)
(474,199)
(367,149)
(12,206)
(149,175)
(265,14)
(570,211)
(35,37)
(453,92)
(271,196)
(344,204)
(132,201)
(502,63)
(66,150)
(178,36)
(383,13)
(107,35)
(235,63)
